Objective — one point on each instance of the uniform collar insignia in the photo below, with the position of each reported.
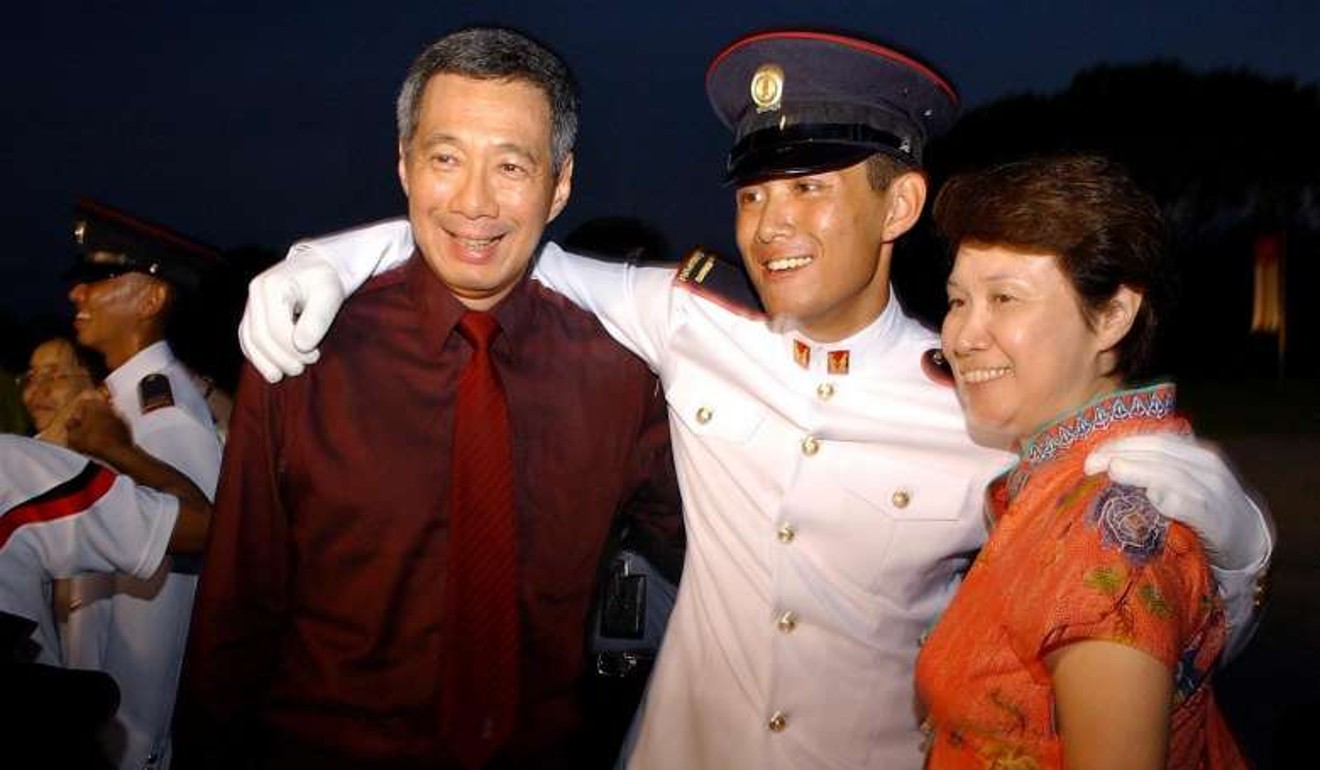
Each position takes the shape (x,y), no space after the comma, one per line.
(836,361)
(802,354)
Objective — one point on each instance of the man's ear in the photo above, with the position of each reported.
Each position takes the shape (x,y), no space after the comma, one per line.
(403,167)
(563,188)
(153,297)
(1115,320)
(907,197)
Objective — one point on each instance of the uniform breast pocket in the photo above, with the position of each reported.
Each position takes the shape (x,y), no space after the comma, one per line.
(714,410)
(909,516)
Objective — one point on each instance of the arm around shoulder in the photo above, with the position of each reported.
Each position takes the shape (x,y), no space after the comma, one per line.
(1191,482)
(292,304)
(633,303)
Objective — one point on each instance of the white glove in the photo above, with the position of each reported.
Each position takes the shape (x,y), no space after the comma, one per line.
(292,304)
(1190,483)
(294,296)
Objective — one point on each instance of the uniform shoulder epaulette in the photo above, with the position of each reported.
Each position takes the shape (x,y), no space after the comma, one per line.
(154,392)
(936,367)
(719,280)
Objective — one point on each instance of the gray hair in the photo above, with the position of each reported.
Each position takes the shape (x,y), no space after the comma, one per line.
(491,53)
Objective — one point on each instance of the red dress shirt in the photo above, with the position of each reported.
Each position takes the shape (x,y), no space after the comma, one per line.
(318,622)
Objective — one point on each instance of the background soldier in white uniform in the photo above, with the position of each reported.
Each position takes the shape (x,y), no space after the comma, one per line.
(61,514)
(832,496)
(126,283)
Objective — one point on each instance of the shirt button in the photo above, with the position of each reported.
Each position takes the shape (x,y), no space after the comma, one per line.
(786,533)
(777,722)
(810,445)
(825,391)
(704,414)
(900,498)
(787,622)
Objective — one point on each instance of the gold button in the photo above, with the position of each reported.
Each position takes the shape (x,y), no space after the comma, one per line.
(810,445)
(704,415)
(901,498)
(777,722)
(786,533)
(825,391)
(787,622)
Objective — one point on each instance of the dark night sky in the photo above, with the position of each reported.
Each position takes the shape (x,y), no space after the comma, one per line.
(256,123)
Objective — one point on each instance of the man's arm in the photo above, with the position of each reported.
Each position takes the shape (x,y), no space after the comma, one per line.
(95,430)
(632,302)
(1191,483)
(66,514)
(1111,705)
(242,601)
(654,510)
(292,304)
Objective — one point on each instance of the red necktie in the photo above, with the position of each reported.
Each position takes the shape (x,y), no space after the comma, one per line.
(480,688)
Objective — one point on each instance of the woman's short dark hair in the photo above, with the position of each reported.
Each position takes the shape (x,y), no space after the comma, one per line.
(1105,231)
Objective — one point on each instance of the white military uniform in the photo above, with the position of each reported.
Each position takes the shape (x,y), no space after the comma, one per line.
(137,634)
(829,517)
(61,514)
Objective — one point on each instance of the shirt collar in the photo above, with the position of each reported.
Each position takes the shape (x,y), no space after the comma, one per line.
(859,350)
(440,310)
(1104,414)
(1071,435)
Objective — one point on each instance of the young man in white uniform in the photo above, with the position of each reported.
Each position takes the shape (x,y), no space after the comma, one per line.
(832,497)
(127,279)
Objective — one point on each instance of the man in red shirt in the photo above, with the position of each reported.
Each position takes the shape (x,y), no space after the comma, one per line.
(323,630)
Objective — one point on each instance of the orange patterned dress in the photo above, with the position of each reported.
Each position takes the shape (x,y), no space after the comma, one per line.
(1073,557)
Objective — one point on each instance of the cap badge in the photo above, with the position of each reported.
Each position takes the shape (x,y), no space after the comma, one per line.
(767,87)
(79,231)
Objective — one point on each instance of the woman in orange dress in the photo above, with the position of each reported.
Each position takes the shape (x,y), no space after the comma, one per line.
(1085,633)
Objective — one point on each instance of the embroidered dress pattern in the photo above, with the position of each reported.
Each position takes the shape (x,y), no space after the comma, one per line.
(1128,522)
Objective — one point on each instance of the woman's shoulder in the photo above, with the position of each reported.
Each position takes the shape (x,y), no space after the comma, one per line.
(1111,566)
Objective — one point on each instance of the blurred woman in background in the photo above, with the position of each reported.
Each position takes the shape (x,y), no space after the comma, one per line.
(58,371)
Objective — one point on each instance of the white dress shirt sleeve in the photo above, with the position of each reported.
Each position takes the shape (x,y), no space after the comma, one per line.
(175,437)
(360,252)
(636,305)
(119,527)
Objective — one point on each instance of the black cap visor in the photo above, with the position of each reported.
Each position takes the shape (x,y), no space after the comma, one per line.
(91,272)
(804,149)
(84,271)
